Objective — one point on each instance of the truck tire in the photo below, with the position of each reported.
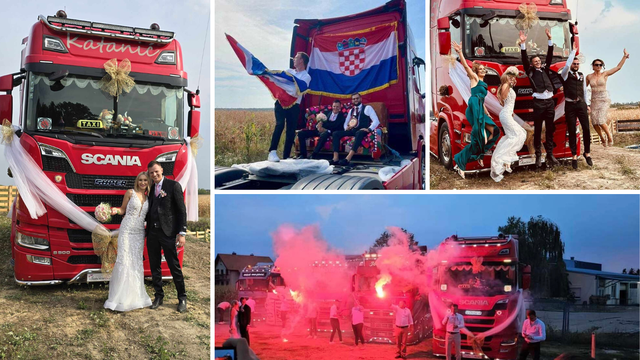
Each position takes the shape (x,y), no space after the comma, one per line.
(226,174)
(445,152)
(337,182)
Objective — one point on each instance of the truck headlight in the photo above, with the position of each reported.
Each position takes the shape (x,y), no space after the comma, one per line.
(32,242)
(166,58)
(167,157)
(53,44)
(555,2)
(39,260)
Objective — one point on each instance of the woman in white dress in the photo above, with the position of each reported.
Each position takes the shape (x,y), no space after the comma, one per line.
(126,287)
(233,320)
(506,151)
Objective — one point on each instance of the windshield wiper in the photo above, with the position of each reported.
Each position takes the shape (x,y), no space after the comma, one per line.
(75,132)
(147,136)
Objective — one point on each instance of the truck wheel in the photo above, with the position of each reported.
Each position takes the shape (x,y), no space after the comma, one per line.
(337,182)
(226,174)
(444,146)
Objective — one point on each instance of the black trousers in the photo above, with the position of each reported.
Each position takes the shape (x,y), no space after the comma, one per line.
(534,348)
(156,241)
(357,332)
(313,326)
(335,328)
(543,113)
(577,111)
(244,333)
(303,135)
(290,117)
(359,136)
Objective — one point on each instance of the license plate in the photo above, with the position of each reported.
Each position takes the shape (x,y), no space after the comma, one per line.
(98,277)
(526,161)
(470,356)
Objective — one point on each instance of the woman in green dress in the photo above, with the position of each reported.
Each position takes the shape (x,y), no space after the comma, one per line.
(484,132)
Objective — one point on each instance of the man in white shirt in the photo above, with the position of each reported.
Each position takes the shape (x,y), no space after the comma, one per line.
(221,309)
(533,332)
(454,323)
(403,325)
(360,121)
(357,323)
(335,322)
(289,116)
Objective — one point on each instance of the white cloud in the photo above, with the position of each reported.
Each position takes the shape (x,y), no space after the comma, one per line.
(326,210)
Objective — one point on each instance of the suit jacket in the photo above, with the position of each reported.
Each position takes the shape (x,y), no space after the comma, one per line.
(244,315)
(337,124)
(170,208)
(528,69)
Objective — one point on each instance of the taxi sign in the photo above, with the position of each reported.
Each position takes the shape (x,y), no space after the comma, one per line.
(90,124)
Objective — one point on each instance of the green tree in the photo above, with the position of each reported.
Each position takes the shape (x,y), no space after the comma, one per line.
(384,238)
(541,246)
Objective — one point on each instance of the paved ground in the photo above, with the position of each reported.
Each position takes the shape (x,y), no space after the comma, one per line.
(627,321)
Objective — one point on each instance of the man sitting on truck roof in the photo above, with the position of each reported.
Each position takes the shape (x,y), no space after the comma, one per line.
(334,122)
(290,115)
(360,121)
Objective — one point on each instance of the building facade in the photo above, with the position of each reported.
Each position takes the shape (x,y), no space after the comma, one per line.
(591,285)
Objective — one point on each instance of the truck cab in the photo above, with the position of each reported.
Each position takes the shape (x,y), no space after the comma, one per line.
(259,282)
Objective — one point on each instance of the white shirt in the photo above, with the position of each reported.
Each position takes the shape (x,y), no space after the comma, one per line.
(535,329)
(565,74)
(312,311)
(454,322)
(357,316)
(224,305)
(367,111)
(546,94)
(252,304)
(333,312)
(403,316)
(302,75)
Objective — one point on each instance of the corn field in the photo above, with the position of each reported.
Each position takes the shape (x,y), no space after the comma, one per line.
(243,136)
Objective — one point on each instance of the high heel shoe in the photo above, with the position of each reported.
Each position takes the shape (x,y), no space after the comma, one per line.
(507,168)
(481,162)
(459,171)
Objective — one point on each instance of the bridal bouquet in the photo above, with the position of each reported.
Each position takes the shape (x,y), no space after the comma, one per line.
(103,213)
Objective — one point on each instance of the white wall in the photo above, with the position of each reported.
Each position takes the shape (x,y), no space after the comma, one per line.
(583,285)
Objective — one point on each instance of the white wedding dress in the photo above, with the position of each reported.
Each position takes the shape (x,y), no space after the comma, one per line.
(126,287)
(506,151)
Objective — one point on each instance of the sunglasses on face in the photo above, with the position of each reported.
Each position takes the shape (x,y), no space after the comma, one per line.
(598,65)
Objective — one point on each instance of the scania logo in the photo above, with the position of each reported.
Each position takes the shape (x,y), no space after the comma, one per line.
(474,302)
(110,183)
(99,159)
(525,91)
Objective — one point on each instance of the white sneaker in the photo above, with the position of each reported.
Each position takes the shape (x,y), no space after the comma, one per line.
(273,156)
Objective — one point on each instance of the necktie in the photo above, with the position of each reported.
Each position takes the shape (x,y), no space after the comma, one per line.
(158,190)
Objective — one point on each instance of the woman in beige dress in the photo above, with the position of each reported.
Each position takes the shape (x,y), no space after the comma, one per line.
(600,98)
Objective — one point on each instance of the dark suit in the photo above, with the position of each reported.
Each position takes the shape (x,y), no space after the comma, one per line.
(543,109)
(167,217)
(331,126)
(244,319)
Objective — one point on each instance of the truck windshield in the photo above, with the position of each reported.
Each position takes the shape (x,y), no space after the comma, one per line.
(497,38)
(253,284)
(77,105)
(487,280)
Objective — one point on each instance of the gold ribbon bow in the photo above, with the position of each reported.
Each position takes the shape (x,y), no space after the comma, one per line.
(196,143)
(105,246)
(476,264)
(527,17)
(117,78)
(7,131)
(477,342)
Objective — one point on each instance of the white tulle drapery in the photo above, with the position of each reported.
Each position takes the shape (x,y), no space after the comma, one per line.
(36,189)
(462,83)
(188,179)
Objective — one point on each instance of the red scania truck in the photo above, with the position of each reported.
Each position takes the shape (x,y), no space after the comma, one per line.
(484,278)
(403,120)
(487,31)
(75,132)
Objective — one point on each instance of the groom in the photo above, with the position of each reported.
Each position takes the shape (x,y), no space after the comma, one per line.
(166,229)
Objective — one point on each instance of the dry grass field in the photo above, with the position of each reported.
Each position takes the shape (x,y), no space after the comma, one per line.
(243,136)
(69,321)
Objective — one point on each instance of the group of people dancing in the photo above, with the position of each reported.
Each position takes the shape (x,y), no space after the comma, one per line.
(485,133)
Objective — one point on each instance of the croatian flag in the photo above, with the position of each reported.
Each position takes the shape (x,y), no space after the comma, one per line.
(363,61)
(283,86)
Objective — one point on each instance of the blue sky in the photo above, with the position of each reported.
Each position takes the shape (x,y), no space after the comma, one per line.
(265,28)
(188,19)
(597,228)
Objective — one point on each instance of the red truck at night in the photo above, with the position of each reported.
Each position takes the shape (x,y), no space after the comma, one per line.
(74,132)
(487,32)
(400,107)
(485,279)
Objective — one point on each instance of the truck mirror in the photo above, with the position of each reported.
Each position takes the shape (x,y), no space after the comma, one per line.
(6,107)
(6,83)
(443,23)
(58,75)
(194,100)
(194,123)
(444,42)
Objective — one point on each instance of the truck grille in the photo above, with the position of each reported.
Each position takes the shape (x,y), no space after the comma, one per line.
(479,321)
(56,164)
(115,219)
(487,339)
(167,168)
(83,259)
(95,200)
(79,236)
(77,181)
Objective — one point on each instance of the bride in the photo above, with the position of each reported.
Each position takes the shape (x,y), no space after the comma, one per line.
(514,135)
(126,287)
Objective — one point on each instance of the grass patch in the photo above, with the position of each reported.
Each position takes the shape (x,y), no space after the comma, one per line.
(615,340)
(99,318)
(192,319)
(85,334)
(82,305)
(157,347)
(624,167)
